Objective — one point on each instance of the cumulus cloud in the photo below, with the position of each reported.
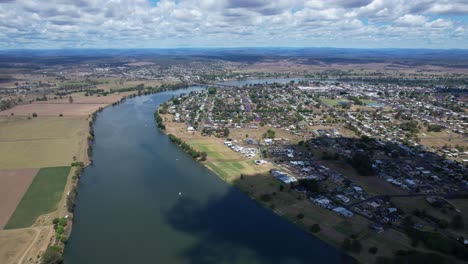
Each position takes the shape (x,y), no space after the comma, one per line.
(409,20)
(195,23)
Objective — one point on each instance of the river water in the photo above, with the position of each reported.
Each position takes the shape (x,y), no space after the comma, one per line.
(129,209)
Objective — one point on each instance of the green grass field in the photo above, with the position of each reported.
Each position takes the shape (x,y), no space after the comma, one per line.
(227,163)
(333,102)
(41,198)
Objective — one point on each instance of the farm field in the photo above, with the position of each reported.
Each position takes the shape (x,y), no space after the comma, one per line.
(42,197)
(117,85)
(41,142)
(14,242)
(53,109)
(80,98)
(13,185)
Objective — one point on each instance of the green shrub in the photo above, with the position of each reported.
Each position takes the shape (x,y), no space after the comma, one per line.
(373,250)
(52,256)
(60,230)
(315,228)
(63,222)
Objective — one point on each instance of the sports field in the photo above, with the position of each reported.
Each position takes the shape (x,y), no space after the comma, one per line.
(41,142)
(334,102)
(42,197)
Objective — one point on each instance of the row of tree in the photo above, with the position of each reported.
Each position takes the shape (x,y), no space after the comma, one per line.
(159,121)
(187,148)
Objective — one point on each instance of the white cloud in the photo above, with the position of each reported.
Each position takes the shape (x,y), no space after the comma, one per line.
(135,23)
(409,20)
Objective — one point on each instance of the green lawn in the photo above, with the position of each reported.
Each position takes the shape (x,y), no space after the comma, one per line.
(344,227)
(41,198)
(333,102)
(369,102)
(218,170)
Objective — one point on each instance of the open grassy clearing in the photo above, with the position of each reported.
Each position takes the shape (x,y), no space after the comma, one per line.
(42,197)
(224,161)
(13,185)
(333,102)
(440,139)
(13,243)
(227,163)
(41,142)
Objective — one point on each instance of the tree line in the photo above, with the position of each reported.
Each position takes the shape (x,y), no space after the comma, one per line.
(187,148)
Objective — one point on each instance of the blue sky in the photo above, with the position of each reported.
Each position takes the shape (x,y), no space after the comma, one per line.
(233,23)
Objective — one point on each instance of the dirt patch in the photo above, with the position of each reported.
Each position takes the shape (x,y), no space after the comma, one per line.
(13,185)
(53,109)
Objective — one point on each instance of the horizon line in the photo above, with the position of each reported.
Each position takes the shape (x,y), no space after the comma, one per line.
(229,48)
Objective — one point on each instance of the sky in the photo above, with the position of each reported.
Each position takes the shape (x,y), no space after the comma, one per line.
(57,24)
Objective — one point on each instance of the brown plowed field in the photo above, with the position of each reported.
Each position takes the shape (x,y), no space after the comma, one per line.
(13,185)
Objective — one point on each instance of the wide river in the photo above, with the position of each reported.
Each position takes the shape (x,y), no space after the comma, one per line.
(129,209)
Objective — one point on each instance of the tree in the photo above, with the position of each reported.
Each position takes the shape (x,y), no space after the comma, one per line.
(212,90)
(226,132)
(310,185)
(71,200)
(60,230)
(315,228)
(175,101)
(34,114)
(356,246)
(373,250)
(203,155)
(52,256)
(346,245)
(269,134)
(362,163)
(457,222)
(70,99)
(63,221)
